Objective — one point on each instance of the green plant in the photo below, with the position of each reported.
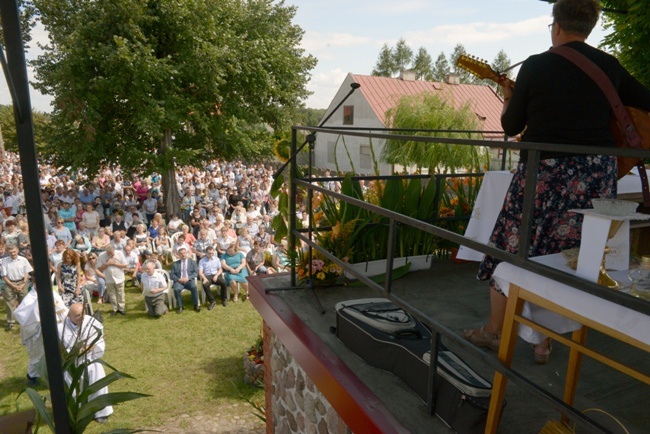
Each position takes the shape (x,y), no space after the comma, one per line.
(458,201)
(428,111)
(256,352)
(81,408)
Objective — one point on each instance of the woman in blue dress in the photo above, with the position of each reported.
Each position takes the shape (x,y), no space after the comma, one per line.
(234,267)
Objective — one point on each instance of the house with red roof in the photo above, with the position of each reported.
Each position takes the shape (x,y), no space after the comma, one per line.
(367,107)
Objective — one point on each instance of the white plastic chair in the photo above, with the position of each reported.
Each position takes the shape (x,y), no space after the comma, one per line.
(175,236)
(88,301)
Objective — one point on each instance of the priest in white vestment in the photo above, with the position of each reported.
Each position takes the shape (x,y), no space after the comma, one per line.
(27,314)
(81,330)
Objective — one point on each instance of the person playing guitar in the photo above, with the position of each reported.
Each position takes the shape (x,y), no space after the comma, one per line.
(554,101)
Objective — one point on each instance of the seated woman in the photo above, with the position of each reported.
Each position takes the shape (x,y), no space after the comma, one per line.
(190,239)
(141,238)
(181,244)
(155,225)
(244,241)
(281,260)
(91,218)
(231,232)
(61,232)
(255,261)
(101,240)
(162,245)
(69,278)
(174,224)
(213,192)
(238,217)
(56,256)
(195,222)
(234,266)
(223,241)
(264,238)
(94,278)
(81,246)
(11,232)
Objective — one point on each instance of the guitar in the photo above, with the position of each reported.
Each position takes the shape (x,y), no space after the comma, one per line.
(640,118)
(479,68)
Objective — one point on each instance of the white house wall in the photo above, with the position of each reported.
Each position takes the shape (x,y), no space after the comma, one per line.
(363,116)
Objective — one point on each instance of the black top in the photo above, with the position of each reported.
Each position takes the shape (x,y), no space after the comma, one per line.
(559,103)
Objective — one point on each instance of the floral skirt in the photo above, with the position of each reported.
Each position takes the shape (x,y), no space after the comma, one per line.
(69,298)
(562,184)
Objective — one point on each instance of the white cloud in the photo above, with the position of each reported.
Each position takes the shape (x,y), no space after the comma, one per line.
(324,86)
(400,7)
(477,32)
(39,102)
(314,42)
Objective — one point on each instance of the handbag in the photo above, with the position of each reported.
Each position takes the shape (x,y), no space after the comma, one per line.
(630,126)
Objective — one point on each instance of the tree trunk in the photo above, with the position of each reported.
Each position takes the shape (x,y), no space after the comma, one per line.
(2,147)
(171,197)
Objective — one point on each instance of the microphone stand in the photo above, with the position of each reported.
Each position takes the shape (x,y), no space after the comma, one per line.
(311,140)
(354,87)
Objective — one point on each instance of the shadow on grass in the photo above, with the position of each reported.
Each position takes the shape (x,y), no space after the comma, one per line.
(228,379)
(12,387)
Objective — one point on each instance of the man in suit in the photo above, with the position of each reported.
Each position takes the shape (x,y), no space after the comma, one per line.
(184,273)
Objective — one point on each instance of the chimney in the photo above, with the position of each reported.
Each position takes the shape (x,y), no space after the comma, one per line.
(452,79)
(407,75)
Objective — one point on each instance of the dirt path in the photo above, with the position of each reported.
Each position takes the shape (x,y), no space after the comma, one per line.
(230,419)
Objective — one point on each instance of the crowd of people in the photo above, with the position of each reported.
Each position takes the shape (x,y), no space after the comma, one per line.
(105,231)
(102,232)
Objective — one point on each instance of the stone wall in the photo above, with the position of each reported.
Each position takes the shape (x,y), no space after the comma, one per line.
(293,403)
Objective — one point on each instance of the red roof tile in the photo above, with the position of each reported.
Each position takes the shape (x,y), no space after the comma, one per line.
(383,93)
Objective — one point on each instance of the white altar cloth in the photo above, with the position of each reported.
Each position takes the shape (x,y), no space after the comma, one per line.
(625,320)
(489,202)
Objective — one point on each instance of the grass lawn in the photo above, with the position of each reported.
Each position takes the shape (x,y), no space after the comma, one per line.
(189,363)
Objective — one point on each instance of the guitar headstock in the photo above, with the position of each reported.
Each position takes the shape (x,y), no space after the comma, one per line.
(479,68)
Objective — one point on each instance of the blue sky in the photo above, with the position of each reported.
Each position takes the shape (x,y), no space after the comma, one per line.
(346,35)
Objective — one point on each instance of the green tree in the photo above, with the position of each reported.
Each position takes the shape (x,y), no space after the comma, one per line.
(385,66)
(441,68)
(500,63)
(27,21)
(153,84)
(423,65)
(629,36)
(428,111)
(465,77)
(307,116)
(8,129)
(402,55)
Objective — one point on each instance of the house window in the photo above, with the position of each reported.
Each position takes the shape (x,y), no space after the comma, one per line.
(331,152)
(348,115)
(365,159)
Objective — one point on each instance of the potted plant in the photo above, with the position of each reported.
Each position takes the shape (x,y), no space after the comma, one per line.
(254,364)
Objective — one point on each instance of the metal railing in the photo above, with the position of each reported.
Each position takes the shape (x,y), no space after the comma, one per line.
(305,235)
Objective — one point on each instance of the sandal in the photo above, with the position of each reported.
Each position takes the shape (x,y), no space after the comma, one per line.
(542,351)
(482,338)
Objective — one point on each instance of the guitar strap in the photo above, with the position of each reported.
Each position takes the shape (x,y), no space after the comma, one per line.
(622,115)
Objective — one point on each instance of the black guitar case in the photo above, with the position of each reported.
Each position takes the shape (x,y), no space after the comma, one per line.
(389,338)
